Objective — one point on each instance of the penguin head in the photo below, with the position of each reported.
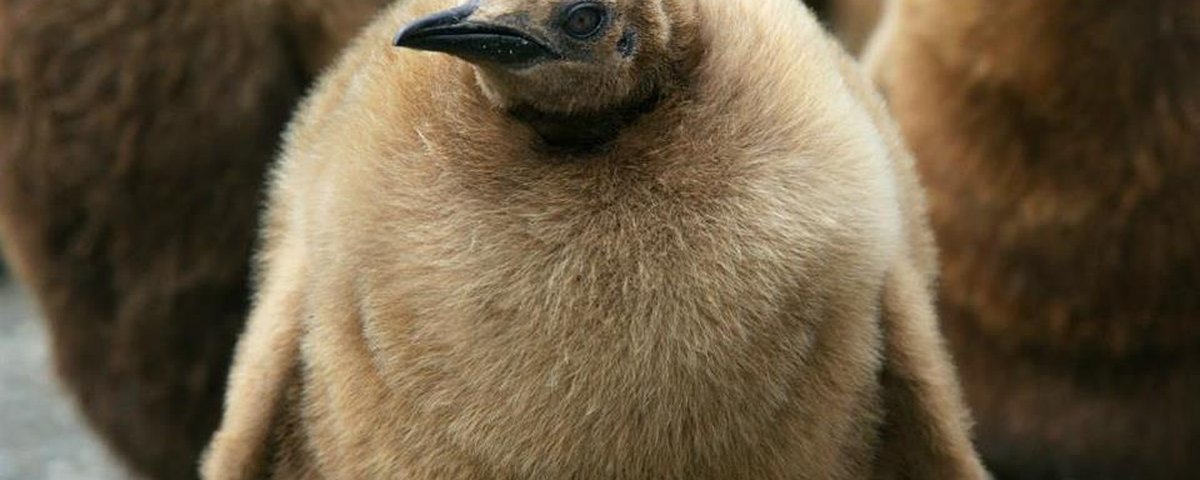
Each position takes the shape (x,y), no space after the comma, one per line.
(557,56)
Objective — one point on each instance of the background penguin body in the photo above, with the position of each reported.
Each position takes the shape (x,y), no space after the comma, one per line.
(133,140)
(734,287)
(1060,142)
(851,21)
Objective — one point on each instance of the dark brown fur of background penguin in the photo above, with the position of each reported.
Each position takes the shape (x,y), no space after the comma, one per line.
(133,140)
(851,21)
(1060,142)
(855,20)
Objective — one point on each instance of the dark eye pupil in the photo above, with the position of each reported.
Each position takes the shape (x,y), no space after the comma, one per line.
(584,20)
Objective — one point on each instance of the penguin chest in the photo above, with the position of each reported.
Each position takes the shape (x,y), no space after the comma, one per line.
(639,339)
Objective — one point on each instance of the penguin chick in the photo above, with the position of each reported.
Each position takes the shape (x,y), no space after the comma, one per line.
(133,140)
(1060,141)
(598,239)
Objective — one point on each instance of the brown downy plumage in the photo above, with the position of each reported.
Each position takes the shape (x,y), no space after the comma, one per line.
(1061,144)
(620,239)
(133,139)
(854,21)
(821,8)
(851,21)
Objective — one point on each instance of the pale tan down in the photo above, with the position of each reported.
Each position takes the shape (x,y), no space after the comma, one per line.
(737,286)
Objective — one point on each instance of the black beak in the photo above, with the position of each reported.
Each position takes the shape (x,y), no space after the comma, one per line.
(451,32)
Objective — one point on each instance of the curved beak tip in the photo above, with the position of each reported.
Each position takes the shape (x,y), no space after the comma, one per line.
(475,41)
(443,19)
(400,40)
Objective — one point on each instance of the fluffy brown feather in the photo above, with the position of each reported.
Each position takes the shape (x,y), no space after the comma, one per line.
(133,140)
(1060,141)
(735,286)
(851,21)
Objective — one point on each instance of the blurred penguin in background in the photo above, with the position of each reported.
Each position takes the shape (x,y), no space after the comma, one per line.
(820,8)
(855,20)
(1060,142)
(594,239)
(133,140)
(851,21)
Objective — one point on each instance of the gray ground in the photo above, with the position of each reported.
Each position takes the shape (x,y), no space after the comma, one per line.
(41,435)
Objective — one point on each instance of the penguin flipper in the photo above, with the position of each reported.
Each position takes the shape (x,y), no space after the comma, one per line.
(925,421)
(265,370)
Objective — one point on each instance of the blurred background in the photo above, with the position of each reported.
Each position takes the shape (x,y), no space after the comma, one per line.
(131,158)
(41,434)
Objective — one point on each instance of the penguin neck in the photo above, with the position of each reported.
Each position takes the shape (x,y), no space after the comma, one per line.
(585,131)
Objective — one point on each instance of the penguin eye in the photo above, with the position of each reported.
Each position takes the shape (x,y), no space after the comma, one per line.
(584,20)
